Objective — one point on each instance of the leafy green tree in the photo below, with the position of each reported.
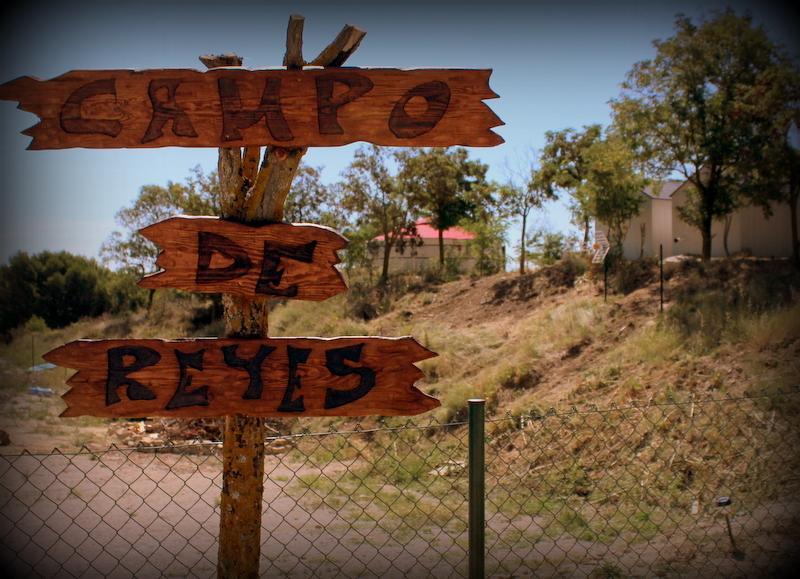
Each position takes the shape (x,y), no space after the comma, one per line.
(547,247)
(311,201)
(613,187)
(775,176)
(446,185)
(694,109)
(488,245)
(18,291)
(127,249)
(374,195)
(61,288)
(564,167)
(518,201)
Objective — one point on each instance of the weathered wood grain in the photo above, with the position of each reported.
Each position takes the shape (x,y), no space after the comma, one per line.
(205,377)
(236,107)
(294,42)
(213,255)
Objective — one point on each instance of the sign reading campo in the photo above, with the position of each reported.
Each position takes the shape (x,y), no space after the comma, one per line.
(235,107)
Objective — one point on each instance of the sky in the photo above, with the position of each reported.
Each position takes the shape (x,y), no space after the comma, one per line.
(556,65)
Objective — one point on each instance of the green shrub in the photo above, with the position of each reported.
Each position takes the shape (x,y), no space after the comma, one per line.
(716,298)
(61,288)
(628,276)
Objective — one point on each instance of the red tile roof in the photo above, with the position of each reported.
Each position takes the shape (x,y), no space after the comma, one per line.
(425,231)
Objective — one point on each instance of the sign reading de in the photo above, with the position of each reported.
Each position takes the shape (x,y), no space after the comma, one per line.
(208,254)
(235,107)
(204,377)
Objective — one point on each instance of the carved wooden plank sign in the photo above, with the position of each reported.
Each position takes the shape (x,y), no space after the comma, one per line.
(234,107)
(204,377)
(209,254)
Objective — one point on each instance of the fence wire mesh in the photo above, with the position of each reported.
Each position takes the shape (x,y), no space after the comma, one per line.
(628,491)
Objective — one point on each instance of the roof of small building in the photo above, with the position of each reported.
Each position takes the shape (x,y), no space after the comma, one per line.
(663,189)
(426,231)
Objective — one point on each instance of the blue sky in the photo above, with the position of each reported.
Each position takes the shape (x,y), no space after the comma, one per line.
(556,65)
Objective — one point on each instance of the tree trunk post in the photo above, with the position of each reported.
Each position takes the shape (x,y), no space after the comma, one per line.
(728,222)
(243,436)
(387,253)
(661,276)
(250,193)
(522,245)
(441,248)
(586,233)
(793,199)
(705,232)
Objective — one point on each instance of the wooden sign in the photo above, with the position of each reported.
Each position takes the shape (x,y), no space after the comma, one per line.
(209,254)
(235,107)
(206,377)
(601,247)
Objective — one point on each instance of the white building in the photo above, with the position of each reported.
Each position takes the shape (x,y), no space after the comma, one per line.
(659,223)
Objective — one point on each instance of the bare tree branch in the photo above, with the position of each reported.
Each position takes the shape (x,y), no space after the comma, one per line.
(338,51)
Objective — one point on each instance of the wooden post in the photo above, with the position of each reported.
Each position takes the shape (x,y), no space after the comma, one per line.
(251,193)
(243,436)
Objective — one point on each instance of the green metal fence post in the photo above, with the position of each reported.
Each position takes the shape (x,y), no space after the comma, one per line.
(477,488)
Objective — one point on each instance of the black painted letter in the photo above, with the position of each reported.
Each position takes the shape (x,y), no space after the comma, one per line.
(328,105)
(251,366)
(404,126)
(118,372)
(165,110)
(334,361)
(270,277)
(73,121)
(207,244)
(296,356)
(182,396)
(235,116)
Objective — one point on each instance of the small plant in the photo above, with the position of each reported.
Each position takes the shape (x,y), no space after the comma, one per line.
(607,570)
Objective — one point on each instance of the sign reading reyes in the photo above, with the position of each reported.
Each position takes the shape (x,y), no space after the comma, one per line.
(209,254)
(235,107)
(204,377)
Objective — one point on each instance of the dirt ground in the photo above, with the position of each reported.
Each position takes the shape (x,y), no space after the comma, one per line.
(135,514)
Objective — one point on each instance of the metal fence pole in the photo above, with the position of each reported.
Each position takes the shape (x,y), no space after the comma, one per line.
(477,488)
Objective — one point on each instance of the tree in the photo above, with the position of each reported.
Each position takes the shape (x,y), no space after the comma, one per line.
(776,176)
(612,187)
(547,247)
(519,200)
(311,201)
(61,288)
(563,166)
(374,194)
(446,185)
(130,251)
(488,245)
(694,109)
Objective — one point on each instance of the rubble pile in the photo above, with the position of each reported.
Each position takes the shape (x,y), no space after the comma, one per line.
(185,436)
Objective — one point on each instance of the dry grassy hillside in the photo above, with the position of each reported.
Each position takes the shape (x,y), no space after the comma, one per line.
(525,343)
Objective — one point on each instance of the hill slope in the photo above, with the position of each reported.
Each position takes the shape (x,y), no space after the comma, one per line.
(525,343)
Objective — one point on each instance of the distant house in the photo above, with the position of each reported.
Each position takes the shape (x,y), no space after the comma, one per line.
(424,252)
(653,225)
(659,223)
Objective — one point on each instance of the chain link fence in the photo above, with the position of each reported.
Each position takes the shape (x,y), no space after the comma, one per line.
(587,492)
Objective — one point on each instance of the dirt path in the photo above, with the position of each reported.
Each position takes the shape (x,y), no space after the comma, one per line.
(133,514)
